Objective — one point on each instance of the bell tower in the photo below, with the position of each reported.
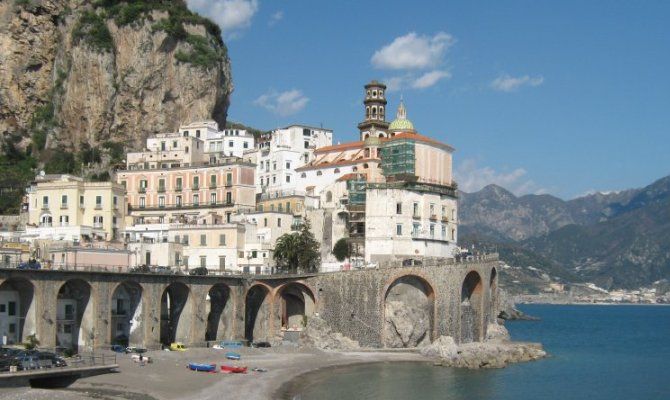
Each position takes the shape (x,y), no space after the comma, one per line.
(375,111)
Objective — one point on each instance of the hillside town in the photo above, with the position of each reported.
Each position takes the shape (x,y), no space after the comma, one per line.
(210,201)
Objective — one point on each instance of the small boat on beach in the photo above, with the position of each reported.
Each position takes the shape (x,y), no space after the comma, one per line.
(233,356)
(202,367)
(257,369)
(230,369)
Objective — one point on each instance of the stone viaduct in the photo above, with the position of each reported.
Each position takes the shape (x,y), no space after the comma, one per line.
(386,307)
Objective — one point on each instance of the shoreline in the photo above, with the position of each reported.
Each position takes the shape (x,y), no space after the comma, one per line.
(592,304)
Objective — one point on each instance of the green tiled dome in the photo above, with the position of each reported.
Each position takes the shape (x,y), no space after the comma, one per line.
(401,123)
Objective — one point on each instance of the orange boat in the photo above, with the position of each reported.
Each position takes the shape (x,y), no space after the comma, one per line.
(229,369)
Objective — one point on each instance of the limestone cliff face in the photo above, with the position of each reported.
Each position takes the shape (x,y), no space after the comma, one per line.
(75,71)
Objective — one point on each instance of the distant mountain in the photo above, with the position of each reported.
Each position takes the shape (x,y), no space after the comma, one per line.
(615,240)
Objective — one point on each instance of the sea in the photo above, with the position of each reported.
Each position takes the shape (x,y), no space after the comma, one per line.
(608,352)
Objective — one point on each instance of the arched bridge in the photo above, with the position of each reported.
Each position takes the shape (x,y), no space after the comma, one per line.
(390,307)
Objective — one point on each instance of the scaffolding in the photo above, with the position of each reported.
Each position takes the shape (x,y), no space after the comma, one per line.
(356,189)
(397,157)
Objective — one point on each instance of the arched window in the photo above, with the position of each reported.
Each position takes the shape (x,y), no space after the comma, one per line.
(303,175)
(337,170)
(367,135)
(319,173)
(365,166)
(367,112)
(374,112)
(354,169)
(329,196)
(381,112)
(368,93)
(367,153)
(381,93)
(381,135)
(374,94)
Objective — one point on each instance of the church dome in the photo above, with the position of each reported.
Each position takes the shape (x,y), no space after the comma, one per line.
(401,123)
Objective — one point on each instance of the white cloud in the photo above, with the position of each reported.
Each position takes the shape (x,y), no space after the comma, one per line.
(413,51)
(430,78)
(283,103)
(471,178)
(231,15)
(507,83)
(276,17)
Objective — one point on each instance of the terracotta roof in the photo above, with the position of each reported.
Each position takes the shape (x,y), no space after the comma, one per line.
(348,177)
(336,147)
(335,164)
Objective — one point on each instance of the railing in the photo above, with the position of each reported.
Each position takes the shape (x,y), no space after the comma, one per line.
(76,361)
(142,190)
(202,204)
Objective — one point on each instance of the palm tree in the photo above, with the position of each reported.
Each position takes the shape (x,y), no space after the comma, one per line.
(287,250)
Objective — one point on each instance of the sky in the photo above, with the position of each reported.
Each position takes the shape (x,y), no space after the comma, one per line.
(560,97)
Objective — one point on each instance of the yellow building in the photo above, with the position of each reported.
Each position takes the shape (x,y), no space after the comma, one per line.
(65,207)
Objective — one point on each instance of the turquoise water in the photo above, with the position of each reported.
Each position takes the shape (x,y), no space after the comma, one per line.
(598,352)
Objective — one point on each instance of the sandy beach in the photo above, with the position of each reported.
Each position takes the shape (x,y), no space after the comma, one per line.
(168,378)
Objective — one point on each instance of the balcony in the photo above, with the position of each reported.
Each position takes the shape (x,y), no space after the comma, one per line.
(142,190)
(229,183)
(45,206)
(161,189)
(445,219)
(433,217)
(98,206)
(195,187)
(177,189)
(212,185)
(416,215)
(182,206)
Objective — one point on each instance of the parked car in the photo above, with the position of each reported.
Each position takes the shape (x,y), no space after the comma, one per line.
(198,271)
(48,357)
(32,264)
(162,270)
(117,348)
(177,346)
(6,362)
(140,269)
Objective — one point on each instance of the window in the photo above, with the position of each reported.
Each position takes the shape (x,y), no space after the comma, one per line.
(196,199)
(64,220)
(11,308)
(453,234)
(398,229)
(246,146)
(174,144)
(303,175)
(222,263)
(81,201)
(288,165)
(274,179)
(142,202)
(229,179)
(254,254)
(97,220)
(329,196)
(12,328)
(265,222)
(415,209)
(228,215)
(178,201)
(45,201)
(319,173)
(416,228)
(161,201)
(185,133)
(196,182)
(278,222)
(222,240)
(272,207)
(178,184)
(176,238)
(63,201)
(161,185)
(337,171)
(280,207)
(162,146)
(197,133)
(398,208)
(114,221)
(212,198)
(229,197)
(432,231)
(116,202)
(432,209)
(453,215)
(444,232)
(185,241)
(306,144)
(274,166)
(98,201)
(203,240)
(231,143)
(444,212)
(203,261)
(288,178)
(288,206)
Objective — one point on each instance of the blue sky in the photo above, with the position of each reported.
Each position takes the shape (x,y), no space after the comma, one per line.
(559,97)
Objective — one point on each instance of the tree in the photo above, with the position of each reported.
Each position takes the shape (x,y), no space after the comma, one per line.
(298,251)
(31,342)
(341,250)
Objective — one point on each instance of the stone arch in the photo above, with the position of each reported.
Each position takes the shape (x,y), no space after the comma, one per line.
(74,315)
(257,312)
(174,325)
(220,308)
(126,314)
(296,302)
(409,312)
(472,291)
(19,319)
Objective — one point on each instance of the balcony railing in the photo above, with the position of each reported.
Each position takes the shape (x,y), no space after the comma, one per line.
(433,217)
(195,187)
(161,189)
(416,215)
(177,189)
(212,185)
(142,190)
(183,206)
(63,206)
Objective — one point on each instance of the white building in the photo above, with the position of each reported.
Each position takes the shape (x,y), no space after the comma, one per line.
(283,151)
(218,144)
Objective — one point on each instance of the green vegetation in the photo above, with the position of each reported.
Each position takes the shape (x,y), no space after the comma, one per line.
(60,161)
(16,170)
(298,251)
(341,250)
(236,125)
(31,342)
(116,151)
(92,30)
(202,54)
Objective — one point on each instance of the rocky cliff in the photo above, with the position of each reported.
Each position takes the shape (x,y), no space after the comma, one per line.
(101,72)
